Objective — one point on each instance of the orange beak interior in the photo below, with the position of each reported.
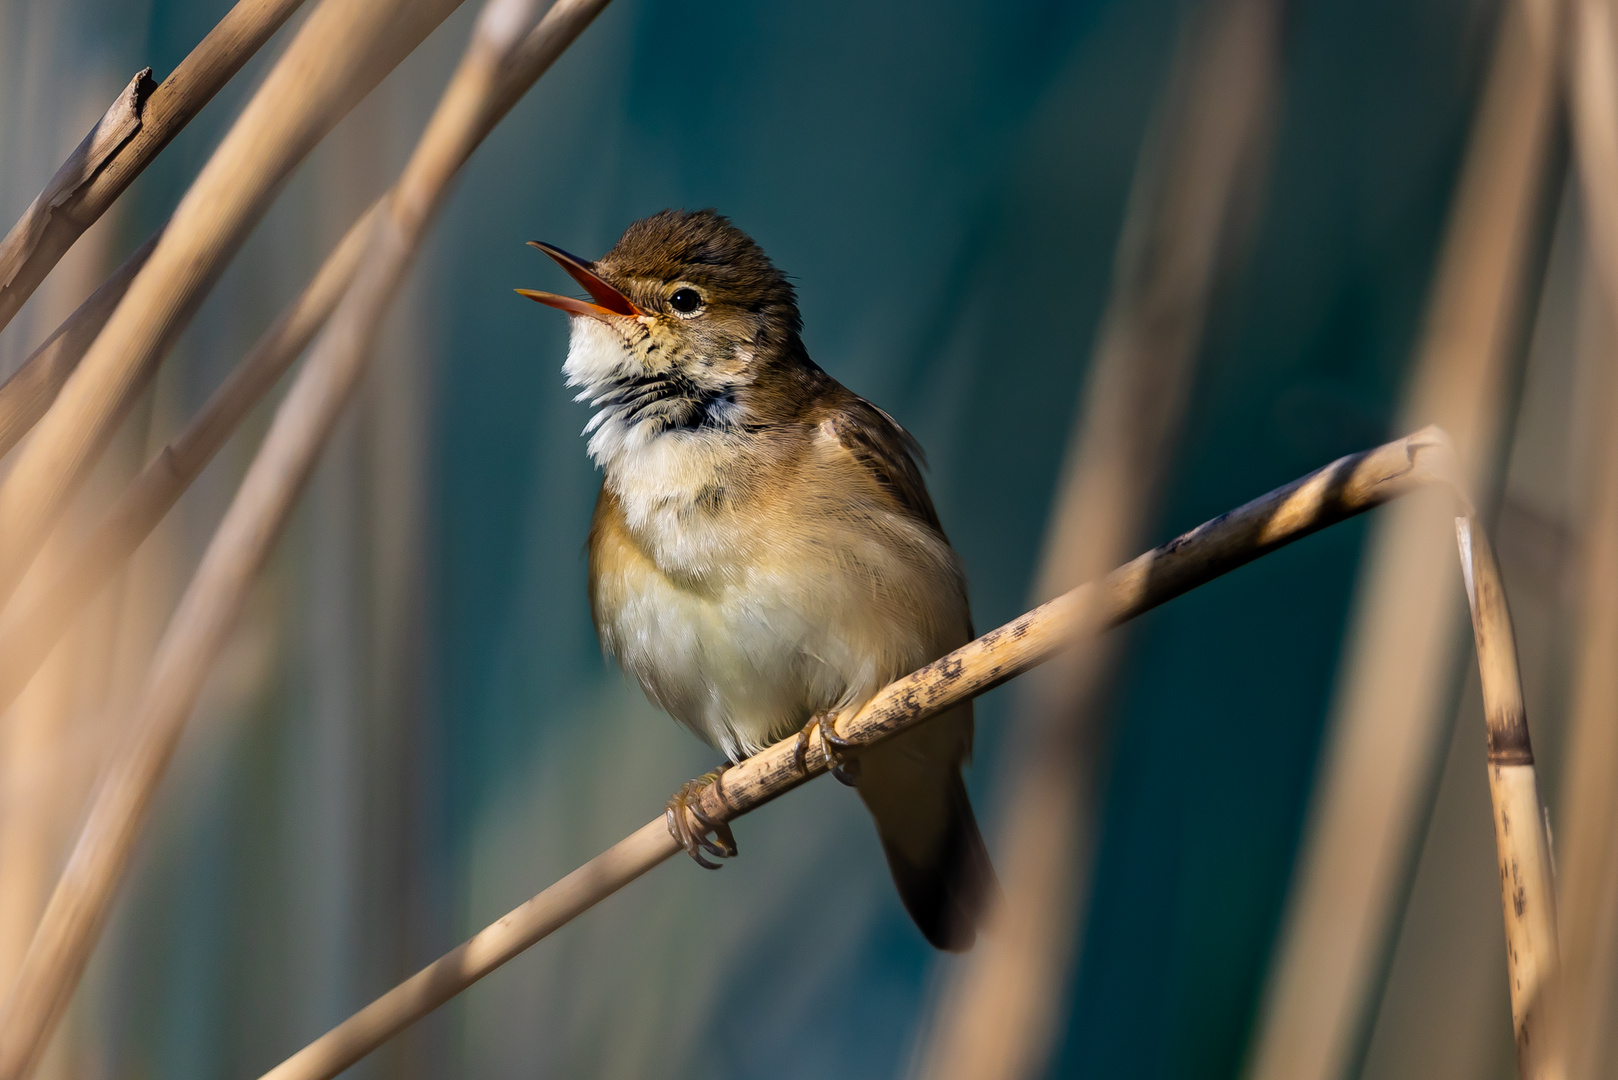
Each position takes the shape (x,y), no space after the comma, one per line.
(608,300)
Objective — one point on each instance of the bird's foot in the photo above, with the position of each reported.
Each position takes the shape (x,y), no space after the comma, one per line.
(834,747)
(690,827)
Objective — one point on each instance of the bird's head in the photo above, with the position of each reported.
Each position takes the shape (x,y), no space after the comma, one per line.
(686,318)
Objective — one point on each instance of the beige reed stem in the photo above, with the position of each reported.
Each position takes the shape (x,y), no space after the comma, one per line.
(1588,825)
(38,616)
(497,62)
(137,126)
(32,624)
(1380,751)
(342,50)
(998,1016)
(28,393)
(1348,486)
(1527,888)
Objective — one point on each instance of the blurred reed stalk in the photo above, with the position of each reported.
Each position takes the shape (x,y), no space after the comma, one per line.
(1193,199)
(1588,824)
(500,63)
(54,738)
(46,604)
(1401,652)
(1587,832)
(342,50)
(28,393)
(1527,885)
(1343,489)
(137,126)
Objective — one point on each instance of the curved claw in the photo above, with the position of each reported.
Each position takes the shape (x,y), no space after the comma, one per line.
(832,745)
(800,749)
(675,816)
(683,808)
(835,747)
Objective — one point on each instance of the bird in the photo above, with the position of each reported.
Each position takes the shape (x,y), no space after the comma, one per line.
(764,553)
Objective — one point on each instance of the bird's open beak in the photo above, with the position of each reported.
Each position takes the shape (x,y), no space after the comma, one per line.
(608,300)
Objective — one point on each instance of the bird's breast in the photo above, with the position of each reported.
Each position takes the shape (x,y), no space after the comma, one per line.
(746,598)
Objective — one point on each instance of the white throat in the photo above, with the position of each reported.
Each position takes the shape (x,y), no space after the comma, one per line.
(598,361)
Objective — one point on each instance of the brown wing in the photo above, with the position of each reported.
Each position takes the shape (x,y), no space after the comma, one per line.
(890,453)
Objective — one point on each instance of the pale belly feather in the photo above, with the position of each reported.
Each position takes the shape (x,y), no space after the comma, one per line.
(744,625)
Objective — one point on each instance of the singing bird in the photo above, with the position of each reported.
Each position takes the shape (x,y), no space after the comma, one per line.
(764,553)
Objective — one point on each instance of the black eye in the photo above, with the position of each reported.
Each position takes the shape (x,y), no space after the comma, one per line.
(685,301)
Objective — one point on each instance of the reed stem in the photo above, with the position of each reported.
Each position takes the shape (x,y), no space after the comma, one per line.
(1380,753)
(28,393)
(342,50)
(1190,201)
(1527,886)
(1588,824)
(1343,489)
(138,125)
(498,60)
(38,616)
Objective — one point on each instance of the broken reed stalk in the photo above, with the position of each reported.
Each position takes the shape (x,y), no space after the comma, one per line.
(497,62)
(1189,206)
(1380,753)
(1343,489)
(39,615)
(28,393)
(1527,889)
(138,125)
(342,50)
(1588,825)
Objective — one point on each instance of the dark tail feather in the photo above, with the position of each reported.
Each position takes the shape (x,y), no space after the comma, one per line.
(912,786)
(947,895)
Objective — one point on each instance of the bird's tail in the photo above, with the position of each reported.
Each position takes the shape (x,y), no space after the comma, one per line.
(912,786)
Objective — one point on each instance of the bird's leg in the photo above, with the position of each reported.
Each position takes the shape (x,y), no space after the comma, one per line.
(834,747)
(685,807)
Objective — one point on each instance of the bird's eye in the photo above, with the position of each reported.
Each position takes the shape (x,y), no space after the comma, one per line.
(685,301)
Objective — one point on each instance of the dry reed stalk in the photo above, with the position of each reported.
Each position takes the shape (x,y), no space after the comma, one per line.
(498,60)
(1589,839)
(1527,888)
(35,621)
(28,393)
(1193,190)
(37,617)
(138,125)
(1347,487)
(55,739)
(342,50)
(1381,749)
(31,625)
(1588,825)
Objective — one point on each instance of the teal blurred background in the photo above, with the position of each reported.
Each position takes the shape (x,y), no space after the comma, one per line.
(414,730)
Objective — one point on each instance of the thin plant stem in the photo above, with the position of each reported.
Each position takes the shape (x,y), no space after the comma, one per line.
(1527,888)
(28,393)
(39,615)
(1380,753)
(342,50)
(138,125)
(1588,847)
(1343,489)
(1197,180)
(499,59)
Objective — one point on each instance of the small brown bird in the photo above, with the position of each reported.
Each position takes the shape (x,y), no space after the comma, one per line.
(764,552)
